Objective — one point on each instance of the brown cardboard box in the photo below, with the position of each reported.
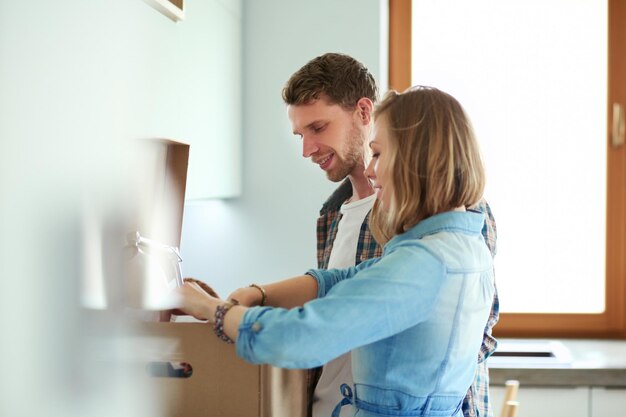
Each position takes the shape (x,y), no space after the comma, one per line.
(221,384)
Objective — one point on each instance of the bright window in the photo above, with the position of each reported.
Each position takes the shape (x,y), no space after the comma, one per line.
(541,81)
(533,81)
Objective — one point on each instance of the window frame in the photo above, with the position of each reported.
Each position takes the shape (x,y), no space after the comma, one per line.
(612,322)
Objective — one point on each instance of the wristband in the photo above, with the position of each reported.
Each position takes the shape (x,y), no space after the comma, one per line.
(218,325)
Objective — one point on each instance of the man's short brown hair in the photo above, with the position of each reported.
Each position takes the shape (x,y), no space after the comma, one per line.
(337,77)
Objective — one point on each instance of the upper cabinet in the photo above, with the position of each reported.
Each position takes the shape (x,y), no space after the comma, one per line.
(79,80)
(202,66)
(209,86)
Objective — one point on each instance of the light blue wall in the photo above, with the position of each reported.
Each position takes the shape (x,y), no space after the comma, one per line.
(76,74)
(269,232)
(80,80)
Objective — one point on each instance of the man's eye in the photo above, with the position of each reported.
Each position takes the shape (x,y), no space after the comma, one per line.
(318,129)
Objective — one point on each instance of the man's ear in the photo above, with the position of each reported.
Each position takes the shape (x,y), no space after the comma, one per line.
(365,108)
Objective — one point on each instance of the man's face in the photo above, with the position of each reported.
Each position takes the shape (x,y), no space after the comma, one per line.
(331,137)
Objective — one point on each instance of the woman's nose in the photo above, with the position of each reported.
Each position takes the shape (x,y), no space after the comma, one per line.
(369,171)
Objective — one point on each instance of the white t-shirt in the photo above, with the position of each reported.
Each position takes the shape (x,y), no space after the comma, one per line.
(343,255)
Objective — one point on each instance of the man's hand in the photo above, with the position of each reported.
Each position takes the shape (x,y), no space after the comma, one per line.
(204,286)
(247,296)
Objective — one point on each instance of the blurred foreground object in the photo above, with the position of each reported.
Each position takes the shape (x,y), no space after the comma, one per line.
(152,271)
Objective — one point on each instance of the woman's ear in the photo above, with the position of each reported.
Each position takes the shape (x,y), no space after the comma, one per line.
(365,107)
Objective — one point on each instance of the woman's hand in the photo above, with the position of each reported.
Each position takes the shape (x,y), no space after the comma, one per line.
(192,299)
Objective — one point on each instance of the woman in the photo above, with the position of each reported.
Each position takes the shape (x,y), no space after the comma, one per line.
(413,318)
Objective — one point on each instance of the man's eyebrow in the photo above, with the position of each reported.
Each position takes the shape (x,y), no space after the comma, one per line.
(309,126)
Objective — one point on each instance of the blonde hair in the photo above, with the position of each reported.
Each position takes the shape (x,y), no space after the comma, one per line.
(436,164)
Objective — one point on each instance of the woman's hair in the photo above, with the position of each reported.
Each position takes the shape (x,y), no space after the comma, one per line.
(435,159)
(340,78)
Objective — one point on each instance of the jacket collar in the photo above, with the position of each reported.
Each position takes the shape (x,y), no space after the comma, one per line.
(452,221)
(337,198)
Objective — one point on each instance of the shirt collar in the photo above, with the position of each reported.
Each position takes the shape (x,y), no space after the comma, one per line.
(452,221)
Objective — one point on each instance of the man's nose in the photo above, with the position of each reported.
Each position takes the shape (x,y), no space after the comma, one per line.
(308,147)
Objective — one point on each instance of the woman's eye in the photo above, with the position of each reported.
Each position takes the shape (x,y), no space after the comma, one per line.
(375,155)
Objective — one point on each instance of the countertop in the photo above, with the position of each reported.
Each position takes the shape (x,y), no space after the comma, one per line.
(561,362)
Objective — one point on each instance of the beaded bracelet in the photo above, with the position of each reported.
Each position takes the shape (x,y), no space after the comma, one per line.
(218,325)
(263,293)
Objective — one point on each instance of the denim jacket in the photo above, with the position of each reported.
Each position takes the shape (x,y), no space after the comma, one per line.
(414,319)
(476,403)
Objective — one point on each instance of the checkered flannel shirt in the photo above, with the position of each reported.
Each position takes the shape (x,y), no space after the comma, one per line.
(476,402)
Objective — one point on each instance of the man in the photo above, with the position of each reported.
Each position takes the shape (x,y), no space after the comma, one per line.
(330,103)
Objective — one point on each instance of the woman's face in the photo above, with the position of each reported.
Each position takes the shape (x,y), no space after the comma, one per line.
(379,169)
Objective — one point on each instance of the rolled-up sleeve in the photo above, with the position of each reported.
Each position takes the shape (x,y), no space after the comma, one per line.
(281,337)
(387,295)
(327,278)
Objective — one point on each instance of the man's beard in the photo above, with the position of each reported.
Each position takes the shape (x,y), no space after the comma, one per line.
(352,158)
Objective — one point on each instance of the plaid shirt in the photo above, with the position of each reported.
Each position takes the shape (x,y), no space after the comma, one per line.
(476,402)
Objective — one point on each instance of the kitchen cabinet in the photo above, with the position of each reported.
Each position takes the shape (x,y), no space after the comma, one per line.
(564,402)
(576,377)
(608,402)
(208,104)
(545,402)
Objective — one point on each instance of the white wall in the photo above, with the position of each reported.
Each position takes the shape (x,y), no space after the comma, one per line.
(79,80)
(269,232)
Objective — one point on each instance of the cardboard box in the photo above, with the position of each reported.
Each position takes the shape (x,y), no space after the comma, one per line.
(221,384)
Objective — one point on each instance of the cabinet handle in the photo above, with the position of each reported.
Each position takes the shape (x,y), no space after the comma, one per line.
(619,125)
